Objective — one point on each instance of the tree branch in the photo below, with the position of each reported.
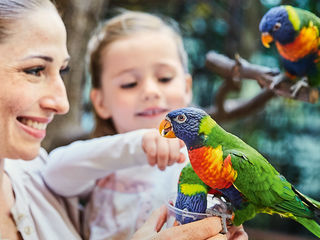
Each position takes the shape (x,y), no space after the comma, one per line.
(233,71)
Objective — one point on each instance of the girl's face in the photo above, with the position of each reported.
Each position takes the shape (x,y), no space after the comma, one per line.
(142,80)
(32,59)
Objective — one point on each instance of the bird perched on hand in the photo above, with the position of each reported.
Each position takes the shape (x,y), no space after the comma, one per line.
(241,174)
(296,34)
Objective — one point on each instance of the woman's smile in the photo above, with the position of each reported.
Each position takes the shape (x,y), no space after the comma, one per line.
(34,126)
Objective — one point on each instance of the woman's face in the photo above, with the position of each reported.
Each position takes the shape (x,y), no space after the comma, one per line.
(32,59)
(142,80)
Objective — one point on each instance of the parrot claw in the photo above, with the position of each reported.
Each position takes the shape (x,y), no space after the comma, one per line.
(225,219)
(298,85)
(277,80)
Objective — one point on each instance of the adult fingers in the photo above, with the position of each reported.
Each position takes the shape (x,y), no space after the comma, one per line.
(153,224)
(237,233)
(199,230)
(219,237)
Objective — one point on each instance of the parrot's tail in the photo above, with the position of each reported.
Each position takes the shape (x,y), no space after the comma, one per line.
(310,224)
(312,204)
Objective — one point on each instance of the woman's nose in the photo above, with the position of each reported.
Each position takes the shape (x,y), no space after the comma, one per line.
(56,98)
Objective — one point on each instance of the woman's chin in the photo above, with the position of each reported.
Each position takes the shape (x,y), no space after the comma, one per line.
(27,154)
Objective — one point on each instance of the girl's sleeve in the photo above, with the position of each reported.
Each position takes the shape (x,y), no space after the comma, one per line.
(73,169)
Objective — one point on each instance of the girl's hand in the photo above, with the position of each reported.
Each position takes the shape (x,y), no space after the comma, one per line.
(162,151)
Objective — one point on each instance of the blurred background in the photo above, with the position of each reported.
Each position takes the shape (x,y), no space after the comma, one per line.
(285,131)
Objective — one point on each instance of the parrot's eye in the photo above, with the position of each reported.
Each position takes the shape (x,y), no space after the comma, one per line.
(181,118)
(276,26)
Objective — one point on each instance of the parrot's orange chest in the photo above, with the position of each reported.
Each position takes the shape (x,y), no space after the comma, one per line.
(306,42)
(212,169)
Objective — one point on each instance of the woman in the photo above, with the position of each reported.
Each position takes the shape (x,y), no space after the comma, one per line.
(33,58)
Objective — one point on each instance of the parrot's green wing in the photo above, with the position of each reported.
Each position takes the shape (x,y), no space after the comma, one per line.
(265,188)
(306,17)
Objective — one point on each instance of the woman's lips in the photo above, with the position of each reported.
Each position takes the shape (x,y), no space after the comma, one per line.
(34,126)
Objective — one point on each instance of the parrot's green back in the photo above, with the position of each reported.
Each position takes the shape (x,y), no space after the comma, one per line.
(238,172)
(263,188)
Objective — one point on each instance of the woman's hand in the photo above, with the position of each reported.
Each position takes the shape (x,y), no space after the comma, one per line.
(237,233)
(162,151)
(208,229)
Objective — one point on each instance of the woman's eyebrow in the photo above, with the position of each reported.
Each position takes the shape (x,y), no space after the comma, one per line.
(46,58)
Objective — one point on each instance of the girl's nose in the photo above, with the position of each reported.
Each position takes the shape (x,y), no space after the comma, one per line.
(151,90)
(56,98)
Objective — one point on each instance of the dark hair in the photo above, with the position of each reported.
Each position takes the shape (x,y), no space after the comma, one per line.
(125,24)
(13,10)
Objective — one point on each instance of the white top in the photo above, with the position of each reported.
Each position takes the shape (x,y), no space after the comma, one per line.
(37,212)
(123,199)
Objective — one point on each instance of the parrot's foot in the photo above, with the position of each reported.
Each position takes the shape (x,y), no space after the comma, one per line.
(225,219)
(298,85)
(277,80)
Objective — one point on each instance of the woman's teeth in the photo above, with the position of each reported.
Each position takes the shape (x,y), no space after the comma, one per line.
(34,124)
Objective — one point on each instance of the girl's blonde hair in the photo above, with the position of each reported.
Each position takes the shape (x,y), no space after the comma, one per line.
(124,25)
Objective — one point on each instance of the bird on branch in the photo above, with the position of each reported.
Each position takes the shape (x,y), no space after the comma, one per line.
(296,35)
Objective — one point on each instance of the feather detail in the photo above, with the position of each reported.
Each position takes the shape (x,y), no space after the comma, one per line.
(293,17)
(305,43)
(192,189)
(209,165)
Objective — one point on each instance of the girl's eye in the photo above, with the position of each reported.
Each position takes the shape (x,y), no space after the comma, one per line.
(129,85)
(64,70)
(36,71)
(165,79)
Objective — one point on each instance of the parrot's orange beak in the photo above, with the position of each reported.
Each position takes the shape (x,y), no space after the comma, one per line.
(266,39)
(165,129)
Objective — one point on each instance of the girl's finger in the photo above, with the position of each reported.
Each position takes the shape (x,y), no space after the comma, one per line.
(162,153)
(174,151)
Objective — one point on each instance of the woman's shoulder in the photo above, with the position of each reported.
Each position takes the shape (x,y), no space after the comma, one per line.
(25,166)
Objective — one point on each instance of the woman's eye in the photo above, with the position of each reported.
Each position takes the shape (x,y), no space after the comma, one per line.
(64,70)
(129,85)
(36,71)
(165,79)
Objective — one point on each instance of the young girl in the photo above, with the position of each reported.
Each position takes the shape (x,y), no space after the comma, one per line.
(139,73)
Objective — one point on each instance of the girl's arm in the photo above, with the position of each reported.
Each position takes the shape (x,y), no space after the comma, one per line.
(73,169)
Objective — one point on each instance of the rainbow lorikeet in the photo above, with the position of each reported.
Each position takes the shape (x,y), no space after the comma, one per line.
(240,173)
(296,34)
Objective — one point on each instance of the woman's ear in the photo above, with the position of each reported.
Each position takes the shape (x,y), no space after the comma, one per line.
(96,97)
(188,78)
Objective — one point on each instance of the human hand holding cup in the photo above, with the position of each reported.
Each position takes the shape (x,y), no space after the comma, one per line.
(215,207)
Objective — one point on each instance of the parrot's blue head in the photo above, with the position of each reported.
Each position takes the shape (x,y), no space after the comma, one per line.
(184,124)
(275,25)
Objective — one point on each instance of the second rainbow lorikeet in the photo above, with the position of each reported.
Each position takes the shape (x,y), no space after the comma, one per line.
(296,34)
(225,163)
